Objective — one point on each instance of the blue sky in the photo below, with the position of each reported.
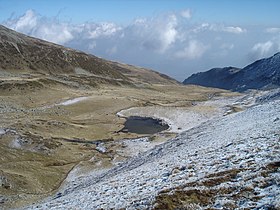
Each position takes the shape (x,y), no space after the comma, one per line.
(176,37)
(123,11)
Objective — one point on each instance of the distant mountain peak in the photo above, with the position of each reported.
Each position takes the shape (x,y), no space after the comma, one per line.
(261,74)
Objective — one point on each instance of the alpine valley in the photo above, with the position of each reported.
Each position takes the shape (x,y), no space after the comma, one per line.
(65,140)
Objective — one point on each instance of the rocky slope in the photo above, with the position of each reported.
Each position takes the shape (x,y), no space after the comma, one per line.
(262,74)
(229,162)
(217,77)
(24,54)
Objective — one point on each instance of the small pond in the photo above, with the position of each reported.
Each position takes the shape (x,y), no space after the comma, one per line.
(143,125)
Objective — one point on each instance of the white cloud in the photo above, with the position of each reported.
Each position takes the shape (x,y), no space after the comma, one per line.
(227,46)
(186,14)
(228,29)
(140,21)
(200,28)
(26,22)
(169,33)
(235,30)
(263,49)
(51,29)
(104,29)
(156,34)
(48,29)
(272,30)
(193,50)
(218,28)
(57,33)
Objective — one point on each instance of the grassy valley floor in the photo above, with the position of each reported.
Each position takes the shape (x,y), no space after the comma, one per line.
(44,135)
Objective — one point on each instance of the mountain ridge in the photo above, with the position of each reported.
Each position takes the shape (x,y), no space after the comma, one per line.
(261,74)
(24,53)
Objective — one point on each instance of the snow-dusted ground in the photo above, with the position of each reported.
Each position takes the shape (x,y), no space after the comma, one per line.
(234,158)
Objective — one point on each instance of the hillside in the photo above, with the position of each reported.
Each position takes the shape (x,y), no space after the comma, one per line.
(24,54)
(217,77)
(262,74)
(204,167)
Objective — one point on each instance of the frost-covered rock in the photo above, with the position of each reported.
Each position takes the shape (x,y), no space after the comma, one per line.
(101,148)
(270,96)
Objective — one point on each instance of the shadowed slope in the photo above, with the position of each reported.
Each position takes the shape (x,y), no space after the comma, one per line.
(262,74)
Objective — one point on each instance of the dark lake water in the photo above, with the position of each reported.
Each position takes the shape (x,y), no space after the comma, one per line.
(144,125)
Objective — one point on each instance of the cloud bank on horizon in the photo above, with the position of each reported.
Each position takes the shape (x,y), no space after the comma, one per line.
(171,43)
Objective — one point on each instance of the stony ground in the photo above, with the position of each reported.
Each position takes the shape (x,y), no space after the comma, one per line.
(229,162)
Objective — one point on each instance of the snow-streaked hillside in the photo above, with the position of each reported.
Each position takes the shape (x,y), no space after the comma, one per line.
(228,162)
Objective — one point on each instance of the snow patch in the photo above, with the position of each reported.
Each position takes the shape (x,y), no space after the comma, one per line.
(16,143)
(2,131)
(101,148)
(72,101)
